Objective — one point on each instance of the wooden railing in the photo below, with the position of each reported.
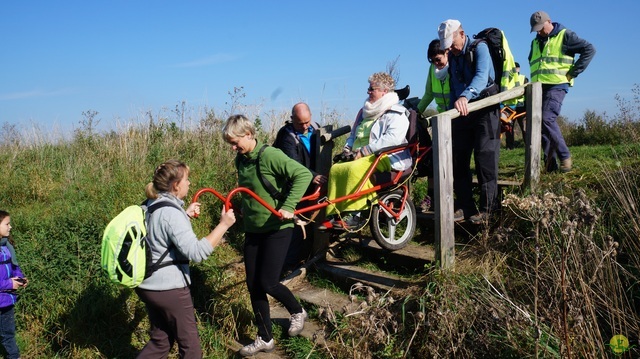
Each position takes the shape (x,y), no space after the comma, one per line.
(443,164)
(443,161)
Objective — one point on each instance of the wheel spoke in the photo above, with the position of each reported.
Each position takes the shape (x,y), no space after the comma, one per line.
(392,230)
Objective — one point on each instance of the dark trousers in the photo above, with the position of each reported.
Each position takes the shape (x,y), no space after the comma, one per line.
(522,123)
(553,144)
(299,248)
(172,319)
(264,255)
(477,134)
(8,332)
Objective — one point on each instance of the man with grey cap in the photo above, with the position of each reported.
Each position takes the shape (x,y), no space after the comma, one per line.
(476,133)
(552,62)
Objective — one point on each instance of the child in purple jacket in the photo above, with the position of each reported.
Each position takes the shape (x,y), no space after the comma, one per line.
(11,278)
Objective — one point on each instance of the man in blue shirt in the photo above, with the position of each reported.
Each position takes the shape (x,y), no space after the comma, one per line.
(294,139)
(472,77)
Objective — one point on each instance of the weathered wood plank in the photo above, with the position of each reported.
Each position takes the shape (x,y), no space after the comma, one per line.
(443,189)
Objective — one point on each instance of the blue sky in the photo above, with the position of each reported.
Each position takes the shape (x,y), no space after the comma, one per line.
(126,58)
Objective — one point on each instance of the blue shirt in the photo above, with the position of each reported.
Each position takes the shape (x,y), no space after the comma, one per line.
(306,139)
(464,81)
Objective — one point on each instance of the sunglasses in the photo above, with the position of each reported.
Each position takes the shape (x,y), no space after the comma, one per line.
(371,89)
(436,60)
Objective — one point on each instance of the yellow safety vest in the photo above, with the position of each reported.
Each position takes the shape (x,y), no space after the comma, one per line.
(550,66)
(509,78)
(520,100)
(440,90)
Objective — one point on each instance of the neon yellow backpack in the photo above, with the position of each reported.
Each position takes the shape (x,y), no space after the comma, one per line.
(126,255)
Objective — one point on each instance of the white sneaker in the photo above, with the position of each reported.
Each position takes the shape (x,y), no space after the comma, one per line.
(296,323)
(258,346)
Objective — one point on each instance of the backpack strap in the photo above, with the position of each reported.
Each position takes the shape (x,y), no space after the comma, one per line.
(158,264)
(265,182)
(471,61)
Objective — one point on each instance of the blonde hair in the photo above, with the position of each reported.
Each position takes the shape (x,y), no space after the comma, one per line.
(237,126)
(384,80)
(165,176)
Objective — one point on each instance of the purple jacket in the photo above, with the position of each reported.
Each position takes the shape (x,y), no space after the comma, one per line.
(9,268)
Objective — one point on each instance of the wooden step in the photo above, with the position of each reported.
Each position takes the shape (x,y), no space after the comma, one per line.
(345,275)
(501,183)
(413,256)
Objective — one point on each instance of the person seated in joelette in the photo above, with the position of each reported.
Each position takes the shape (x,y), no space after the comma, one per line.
(381,123)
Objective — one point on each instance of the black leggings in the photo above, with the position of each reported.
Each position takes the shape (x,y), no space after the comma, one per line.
(264,255)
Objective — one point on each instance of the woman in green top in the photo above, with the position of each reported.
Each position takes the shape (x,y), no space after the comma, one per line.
(267,236)
(437,88)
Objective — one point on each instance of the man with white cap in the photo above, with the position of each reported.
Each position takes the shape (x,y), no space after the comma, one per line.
(476,133)
(551,60)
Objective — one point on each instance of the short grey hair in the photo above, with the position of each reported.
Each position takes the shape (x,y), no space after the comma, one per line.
(383,80)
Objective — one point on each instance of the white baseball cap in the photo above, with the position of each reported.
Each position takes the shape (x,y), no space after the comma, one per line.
(445,32)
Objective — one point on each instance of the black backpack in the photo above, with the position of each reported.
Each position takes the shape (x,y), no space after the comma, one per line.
(418,132)
(493,38)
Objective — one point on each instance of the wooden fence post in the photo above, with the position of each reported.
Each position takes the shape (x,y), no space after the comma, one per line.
(443,188)
(443,162)
(534,135)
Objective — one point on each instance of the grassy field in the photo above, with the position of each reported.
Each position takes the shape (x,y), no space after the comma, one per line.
(554,277)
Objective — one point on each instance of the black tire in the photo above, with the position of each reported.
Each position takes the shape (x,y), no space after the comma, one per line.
(389,235)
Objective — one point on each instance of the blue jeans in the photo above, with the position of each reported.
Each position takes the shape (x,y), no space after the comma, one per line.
(553,144)
(8,332)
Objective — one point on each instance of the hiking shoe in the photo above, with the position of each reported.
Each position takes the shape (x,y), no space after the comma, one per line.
(426,203)
(480,218)
(258,346)
(353,221)
(458,215)
(565,165)
(296,323)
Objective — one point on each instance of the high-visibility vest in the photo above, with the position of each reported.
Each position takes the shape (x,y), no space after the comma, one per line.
(509,78)
(550,66)
(520,100)
(440,90)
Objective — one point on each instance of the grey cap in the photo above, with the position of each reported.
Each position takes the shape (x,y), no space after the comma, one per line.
(538,19)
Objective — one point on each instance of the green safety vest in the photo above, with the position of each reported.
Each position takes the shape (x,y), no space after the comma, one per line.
(440,91)
(550,66)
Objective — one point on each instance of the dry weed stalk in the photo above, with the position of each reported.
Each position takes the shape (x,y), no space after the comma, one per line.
(578,289)
(368,325)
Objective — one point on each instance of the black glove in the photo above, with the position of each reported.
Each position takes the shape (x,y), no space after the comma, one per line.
(344,156)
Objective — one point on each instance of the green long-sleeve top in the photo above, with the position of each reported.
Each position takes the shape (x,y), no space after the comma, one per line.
(278,169)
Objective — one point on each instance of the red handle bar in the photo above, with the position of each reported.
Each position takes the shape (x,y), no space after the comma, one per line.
(227,200)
